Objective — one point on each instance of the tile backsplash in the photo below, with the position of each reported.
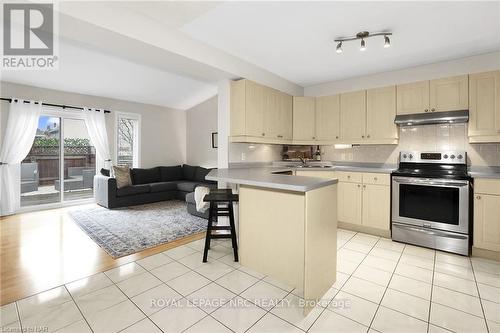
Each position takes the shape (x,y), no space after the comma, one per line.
(420,138)
(254,152)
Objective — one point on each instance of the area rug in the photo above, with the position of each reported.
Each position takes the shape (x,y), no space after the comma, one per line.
(124,231)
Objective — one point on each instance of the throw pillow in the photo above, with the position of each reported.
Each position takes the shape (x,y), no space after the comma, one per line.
(189,172)
(145,176)
(122,176)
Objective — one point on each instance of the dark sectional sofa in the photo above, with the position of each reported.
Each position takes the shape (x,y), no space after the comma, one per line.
(151,185)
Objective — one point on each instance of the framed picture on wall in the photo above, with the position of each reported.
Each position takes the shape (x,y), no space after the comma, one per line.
(215,140)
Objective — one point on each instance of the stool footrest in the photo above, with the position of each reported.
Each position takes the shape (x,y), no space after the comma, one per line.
(221,236)
(221,227)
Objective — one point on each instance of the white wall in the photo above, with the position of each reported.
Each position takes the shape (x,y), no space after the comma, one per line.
(163,130)
(474,64)
(201,121)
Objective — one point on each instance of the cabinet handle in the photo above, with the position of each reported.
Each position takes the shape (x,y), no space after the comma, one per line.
(314,138)
(433,109)
(349,177)
(280,136)
(368,136)
(363,136)
(336,137)
(478,197)
(426,110)
(375,178)
(359,186)
(263,134)
(364,186)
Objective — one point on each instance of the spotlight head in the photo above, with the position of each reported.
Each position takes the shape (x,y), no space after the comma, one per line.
(339,48)
(363,45)
(387,42)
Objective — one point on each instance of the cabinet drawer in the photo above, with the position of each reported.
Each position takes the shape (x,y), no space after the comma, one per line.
(376,178)
(487,186)
(349,177)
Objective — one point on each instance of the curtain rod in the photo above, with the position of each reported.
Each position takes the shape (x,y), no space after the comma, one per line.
(55,105)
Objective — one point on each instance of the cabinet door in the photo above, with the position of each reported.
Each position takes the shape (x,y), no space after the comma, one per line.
(238,108)
(254,116)
(271,109)
(353,116)
(449,94)
(285,116)
(380,113)
(484,104)
(349,202)
(304,118)
(413,97)
(376,206)
(328,118)
(486,222)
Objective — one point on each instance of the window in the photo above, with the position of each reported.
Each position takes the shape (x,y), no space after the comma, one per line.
(127,139)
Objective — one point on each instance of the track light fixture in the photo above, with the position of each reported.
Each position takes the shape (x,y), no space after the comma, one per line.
(363,35)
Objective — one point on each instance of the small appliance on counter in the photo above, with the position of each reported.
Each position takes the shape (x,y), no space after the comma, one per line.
(431,201)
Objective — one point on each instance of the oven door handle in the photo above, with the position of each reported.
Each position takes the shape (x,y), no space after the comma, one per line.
(433,232)
(430,182)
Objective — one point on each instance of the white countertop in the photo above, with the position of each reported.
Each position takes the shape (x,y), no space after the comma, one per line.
(265,177)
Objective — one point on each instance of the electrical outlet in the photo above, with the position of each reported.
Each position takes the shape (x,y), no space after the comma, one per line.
(243,156)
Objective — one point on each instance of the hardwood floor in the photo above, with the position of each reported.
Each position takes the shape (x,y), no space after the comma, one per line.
(42,250)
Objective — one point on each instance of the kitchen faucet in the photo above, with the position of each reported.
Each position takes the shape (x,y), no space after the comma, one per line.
(303,160)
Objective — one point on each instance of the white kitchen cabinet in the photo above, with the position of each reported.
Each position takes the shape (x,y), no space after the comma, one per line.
(353,116)
(413,97)
(487,214)
(259,113)
(377,206)
(449,94)
(304,119)
(484,107)
(380,114)
(349,202)
(328,118)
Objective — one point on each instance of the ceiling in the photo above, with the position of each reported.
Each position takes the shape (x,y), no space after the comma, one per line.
(295,39)
(86,71)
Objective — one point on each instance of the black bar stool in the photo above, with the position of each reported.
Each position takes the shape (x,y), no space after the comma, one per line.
(221,204)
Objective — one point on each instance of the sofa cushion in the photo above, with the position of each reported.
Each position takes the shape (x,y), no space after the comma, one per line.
(132,190)
(187,186)
(122,176)
(163,186)
(170,173)
(145,176)
(189,172)
(200,174)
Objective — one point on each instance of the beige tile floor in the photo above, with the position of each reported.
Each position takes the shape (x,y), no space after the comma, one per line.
(381,286)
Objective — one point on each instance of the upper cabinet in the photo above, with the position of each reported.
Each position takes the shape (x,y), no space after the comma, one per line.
(448,94)
(328,118)
(413,97)
(353,116)
(380,114)
(259,113)
(484,107)
(304,119)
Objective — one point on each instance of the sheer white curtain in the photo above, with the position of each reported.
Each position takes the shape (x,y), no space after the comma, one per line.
(96,126)
(17,141)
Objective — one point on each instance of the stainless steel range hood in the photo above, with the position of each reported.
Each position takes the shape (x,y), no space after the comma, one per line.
(448,117)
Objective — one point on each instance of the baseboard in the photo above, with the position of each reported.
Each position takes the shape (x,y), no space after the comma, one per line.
(486,254)
(365,229)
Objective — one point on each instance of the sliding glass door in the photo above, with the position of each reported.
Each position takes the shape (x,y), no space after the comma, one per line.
(60,166)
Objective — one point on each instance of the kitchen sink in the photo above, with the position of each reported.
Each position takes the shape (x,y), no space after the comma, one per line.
(314,166)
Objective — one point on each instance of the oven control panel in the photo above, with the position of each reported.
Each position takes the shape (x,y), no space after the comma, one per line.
(444,157)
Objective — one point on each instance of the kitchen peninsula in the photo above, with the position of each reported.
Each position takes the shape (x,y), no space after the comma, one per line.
(287,226)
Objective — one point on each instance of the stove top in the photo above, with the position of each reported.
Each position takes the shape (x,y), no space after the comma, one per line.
(447,165)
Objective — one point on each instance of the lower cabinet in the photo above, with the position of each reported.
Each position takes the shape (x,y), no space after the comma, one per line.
(363,199)
(487,214)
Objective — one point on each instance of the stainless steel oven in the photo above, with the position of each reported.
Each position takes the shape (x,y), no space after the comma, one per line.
(431,194)
(431,203)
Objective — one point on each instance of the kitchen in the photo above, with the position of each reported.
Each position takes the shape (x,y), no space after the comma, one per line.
(415,162)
